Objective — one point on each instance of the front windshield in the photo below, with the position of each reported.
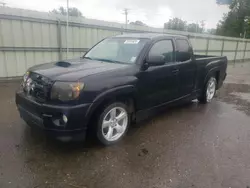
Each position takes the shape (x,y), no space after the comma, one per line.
(118,50)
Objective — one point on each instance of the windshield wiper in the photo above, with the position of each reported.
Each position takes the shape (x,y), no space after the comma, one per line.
(87,58)
(107,60)
(102,59)
(99,59)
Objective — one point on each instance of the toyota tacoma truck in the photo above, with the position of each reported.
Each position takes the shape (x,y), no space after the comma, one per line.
(115,83)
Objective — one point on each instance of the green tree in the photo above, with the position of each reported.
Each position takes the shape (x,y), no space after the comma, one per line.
(224,2)
(181,25)
(176,24)
(236,22)
(194,28)
(63,11)
(211,31)
(140,23)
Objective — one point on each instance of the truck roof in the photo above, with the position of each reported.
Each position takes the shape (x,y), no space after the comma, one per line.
(148,35)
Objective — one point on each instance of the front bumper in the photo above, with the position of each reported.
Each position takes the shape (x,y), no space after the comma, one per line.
(44,116)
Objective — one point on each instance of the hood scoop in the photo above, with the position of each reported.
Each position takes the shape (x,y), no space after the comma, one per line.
(63,64)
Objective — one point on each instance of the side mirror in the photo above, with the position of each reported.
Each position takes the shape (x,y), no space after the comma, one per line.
(155,60)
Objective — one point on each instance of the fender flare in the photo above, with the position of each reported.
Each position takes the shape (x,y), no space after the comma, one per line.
(210,73)
(109,94)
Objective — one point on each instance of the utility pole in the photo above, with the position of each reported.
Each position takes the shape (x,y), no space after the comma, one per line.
(126,16)
(246,22)
(196,30)
(67,30)
(197,26)
(2,3)
(203,25)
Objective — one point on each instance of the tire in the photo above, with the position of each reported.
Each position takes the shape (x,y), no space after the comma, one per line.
(113,123)
(209,91)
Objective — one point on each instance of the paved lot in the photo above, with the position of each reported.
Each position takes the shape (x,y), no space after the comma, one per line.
(196,146)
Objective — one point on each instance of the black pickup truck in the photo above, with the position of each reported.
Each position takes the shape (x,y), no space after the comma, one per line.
(114,83)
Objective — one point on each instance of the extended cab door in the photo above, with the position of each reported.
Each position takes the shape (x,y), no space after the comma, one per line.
(186,67)
(158,83)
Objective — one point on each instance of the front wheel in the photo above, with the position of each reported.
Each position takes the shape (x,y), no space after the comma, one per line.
(113,123)
(209,91)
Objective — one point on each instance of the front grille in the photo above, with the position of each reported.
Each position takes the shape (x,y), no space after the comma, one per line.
(38,87)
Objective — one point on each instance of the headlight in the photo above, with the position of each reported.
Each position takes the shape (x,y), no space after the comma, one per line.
(25,78)
(26,75)
(66,91)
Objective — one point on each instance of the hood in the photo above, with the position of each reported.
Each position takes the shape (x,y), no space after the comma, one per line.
(74,69)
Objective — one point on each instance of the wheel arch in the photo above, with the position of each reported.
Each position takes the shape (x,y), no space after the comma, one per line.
(212,72)
(125,94)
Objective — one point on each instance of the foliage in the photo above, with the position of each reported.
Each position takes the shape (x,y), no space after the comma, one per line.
(236,23)
(176,24)
(195,28)
(181,25)
(224,2)
(211,31)
(63,11)
(140,23)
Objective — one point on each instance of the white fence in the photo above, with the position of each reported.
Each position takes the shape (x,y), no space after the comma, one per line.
(29,38)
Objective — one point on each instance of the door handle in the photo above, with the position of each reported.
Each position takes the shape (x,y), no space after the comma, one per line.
(175,71)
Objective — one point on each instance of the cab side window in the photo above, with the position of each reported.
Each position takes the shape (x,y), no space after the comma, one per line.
(183,52)
(163,48)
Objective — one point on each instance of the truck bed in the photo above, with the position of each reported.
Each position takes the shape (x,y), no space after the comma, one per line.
(199,57)
(205,63)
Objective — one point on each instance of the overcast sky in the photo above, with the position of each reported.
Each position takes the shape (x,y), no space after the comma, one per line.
(152,12)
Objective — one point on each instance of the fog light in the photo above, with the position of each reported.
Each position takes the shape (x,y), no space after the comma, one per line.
(65,119)
(60,121)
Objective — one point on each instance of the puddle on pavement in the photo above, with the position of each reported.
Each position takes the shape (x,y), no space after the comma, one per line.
(236,94)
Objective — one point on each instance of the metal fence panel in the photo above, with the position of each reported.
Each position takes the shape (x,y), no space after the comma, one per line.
(230,45)
(3,72)
(21,63)
(248,46)
(30,60)
(29,38)
(45,35)
(214,53)
(198,44)
(215,44)
(247,55)
(18,40)
(27,34)
(11,66)
(239,55)
(7,37)
(230,55)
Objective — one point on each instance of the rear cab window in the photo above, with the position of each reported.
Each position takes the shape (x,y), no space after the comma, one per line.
(183,52)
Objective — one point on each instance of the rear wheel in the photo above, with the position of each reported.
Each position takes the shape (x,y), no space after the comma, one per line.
(209,90)
(113,123)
